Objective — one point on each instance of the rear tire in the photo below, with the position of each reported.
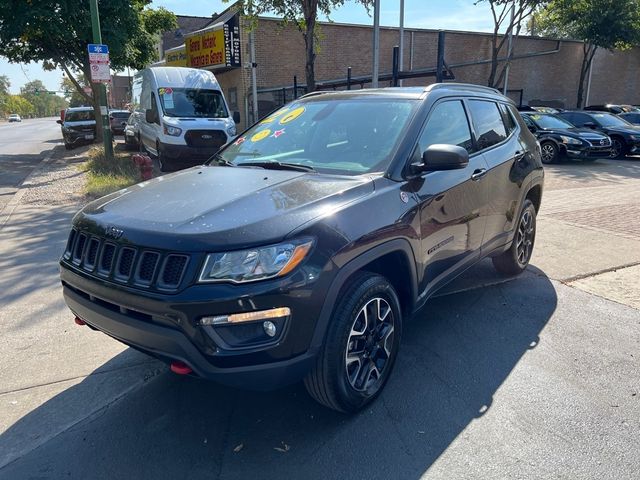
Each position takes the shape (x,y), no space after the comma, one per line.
(163,163)
(68,146)
(360,346)
(550,152)
(515,260)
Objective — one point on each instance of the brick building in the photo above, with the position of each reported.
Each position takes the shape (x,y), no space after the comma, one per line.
(544,71)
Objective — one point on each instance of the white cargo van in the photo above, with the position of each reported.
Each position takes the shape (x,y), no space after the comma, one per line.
(181,114)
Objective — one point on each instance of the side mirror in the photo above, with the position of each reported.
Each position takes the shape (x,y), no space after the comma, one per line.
(590,125)
(236,117)
(150,116)
(59,122)
(442,157)
(532,128)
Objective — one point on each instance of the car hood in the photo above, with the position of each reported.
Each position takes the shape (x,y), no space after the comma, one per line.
(208,207)
(583,133)
(83,123)
(630,130)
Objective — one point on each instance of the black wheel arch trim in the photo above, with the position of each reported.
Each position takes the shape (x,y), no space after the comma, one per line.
(345,272)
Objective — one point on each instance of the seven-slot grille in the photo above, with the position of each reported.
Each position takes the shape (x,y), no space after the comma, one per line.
(125,263)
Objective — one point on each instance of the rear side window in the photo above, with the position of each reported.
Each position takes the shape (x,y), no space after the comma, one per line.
(509,122)
(490,128)
(447,124)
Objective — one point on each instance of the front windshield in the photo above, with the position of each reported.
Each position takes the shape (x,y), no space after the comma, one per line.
(548,121)
(192,103)
(79,116)
(350,137)
(610,120)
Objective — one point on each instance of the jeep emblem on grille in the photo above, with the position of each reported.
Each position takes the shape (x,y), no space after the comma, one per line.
(113,232)
(207,137)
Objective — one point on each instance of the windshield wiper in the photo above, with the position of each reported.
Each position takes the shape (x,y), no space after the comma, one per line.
(274,165)
(221,161)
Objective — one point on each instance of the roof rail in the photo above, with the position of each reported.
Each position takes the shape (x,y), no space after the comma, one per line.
(462,86)
(313,94)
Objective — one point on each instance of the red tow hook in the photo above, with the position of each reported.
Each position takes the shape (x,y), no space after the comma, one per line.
(79,321)
(180,368)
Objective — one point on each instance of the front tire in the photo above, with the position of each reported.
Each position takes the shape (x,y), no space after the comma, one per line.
(618,147)
(360,347)
(549,152)
(515,260)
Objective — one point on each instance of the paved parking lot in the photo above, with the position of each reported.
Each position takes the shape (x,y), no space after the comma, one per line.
(535,377)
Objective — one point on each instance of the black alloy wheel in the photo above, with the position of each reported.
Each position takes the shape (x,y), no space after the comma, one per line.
(549,152)
(360,345)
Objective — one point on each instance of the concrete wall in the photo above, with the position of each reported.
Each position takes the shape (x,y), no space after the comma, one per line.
(550,78)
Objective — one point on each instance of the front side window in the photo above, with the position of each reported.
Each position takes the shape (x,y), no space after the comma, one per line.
(488,122)
(447,124)
(347,136)
(192,103)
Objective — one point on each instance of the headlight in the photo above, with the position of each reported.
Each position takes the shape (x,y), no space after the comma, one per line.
(173,131)
(635,137)
(570,141)
(255,263)
(231,130)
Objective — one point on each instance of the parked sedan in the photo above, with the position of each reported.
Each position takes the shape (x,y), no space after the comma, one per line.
(559,138)
(625,137)
(14,117)
(617,109)
(631,117)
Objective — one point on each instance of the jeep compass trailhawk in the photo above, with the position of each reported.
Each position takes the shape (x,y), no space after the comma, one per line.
(298,250)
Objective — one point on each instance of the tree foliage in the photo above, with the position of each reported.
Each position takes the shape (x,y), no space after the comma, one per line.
(70,92)
(303,14)
(608,24)
(44,104)
(504,24)
(57,32)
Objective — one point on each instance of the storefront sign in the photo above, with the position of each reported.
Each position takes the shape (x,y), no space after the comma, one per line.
(216,48)
(176,57)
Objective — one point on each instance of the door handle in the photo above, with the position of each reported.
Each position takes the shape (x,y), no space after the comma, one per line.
(478,174)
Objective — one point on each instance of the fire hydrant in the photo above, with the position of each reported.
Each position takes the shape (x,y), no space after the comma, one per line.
(145,164)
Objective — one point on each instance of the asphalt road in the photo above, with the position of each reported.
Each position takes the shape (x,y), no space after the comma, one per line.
(22,146)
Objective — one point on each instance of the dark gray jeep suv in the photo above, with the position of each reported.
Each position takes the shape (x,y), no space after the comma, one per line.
(299,249)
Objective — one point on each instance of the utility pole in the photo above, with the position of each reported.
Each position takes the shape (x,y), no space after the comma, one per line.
(401,53)
(102,89)
(509,52)
(376,44)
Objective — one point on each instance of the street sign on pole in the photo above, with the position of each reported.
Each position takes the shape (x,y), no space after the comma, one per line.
(99,50)
(99,63)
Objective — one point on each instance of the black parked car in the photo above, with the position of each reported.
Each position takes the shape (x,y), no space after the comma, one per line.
(617,109)
(625,137)
(631,117)
(300,248)
(78,126)
(559,138)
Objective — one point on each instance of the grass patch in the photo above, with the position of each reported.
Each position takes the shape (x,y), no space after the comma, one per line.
(107,176)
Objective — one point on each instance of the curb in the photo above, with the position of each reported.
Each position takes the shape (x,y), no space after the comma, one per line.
(9,208)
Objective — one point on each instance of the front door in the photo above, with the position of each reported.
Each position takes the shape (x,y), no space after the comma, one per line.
(452,202)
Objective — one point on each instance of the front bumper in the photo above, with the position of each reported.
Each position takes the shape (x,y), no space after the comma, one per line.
(581,152)
(166,325)
(73,137)
(185,154)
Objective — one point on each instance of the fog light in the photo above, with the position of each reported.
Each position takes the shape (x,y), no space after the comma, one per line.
(247,317)
(269,328)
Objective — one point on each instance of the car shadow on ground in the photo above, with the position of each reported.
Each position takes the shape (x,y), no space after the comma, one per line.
(605,171)
(456,352)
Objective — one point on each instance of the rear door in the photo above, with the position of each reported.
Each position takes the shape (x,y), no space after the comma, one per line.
(498,141)
(452,204)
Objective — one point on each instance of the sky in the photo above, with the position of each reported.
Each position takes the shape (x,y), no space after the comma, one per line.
(445,14)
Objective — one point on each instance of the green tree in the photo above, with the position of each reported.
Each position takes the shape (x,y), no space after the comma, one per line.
(44,104)
(505,24)
(21,106)
(58,32)
(302,13)
(608,24)
(71,93)
(4,93)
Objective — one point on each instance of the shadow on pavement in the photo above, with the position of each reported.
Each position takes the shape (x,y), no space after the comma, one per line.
(606,171)
(456,353)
